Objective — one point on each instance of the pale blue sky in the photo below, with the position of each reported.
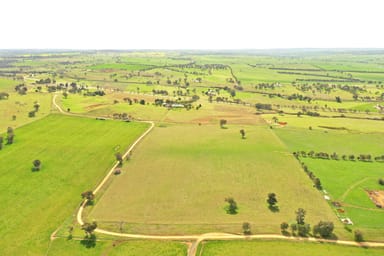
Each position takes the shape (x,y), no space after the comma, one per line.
(197,24)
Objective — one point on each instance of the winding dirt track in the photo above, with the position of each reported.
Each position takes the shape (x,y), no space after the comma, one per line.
(196,238)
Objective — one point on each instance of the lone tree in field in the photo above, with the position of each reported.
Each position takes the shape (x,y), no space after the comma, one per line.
(1,142)
(36,106)
(119,157)
(36,165)
(10,135)
(300,216)
(272,200)
(88,195)
(89,228)
(232,207)
(246,228)
(359,236)
(323,228)
(242,132)
(222,123)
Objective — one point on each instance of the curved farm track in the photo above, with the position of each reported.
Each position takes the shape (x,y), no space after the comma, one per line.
(196,238)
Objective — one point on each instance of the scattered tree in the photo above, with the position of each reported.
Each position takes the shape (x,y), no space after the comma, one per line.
(284,226)
(317,183)
(36,106)
(36,165)
(246,228)
(88,195)
(242,132)
(10,135)
(300,216)
(1,142)
(119,157)
(303,229)
(223,122)
(381,180)
(293,228)
(4,95)
(358,236)
(324,229)
(232,207)
(272,200)
(89,228)
(65,94)
(32,113)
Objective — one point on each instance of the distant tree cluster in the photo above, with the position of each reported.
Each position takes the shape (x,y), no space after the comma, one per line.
(46,81)
(260,106)
(21,89)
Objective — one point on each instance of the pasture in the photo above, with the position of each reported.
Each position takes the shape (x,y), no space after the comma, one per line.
(179,176)
(63,247)
(346,181)
(282,248)
(75,154)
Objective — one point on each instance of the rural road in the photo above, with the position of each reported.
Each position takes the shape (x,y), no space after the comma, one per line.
(196,238)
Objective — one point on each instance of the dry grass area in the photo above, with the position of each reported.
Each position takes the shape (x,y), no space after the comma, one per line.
(377,197)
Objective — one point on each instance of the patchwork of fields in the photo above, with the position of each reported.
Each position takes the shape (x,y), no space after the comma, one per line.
(177,178)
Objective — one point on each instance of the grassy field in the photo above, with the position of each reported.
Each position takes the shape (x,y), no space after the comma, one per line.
(181,175)
(357,176)
(75,154)
(282,248)
(178,177)
(62,247)
(20,105)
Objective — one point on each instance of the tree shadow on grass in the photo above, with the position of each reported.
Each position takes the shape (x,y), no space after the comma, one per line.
(89,241)
(285,233)
(273,208)
(331,237)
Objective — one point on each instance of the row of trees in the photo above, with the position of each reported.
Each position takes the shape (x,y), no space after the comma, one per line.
(336,156)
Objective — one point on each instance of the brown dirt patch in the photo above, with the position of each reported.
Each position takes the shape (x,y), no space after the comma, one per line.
(94,106)
(377,197)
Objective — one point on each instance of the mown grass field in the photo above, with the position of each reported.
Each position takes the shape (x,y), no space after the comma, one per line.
(63,247)
(345,181)
(180,175)
(282,248)
(75,154)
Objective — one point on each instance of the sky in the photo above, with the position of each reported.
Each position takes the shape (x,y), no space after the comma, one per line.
(191,24)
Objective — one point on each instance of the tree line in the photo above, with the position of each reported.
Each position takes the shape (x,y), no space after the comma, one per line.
(336,156)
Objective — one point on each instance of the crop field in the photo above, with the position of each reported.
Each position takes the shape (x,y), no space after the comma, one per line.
(184,181)
(283,248)
(177,178)
(75,154)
